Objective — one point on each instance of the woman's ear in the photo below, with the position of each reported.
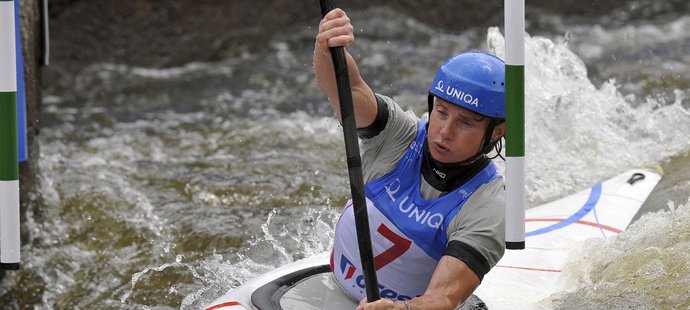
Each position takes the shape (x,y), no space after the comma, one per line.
(499,131)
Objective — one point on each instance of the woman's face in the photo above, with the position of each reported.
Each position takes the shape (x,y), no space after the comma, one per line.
(455,134)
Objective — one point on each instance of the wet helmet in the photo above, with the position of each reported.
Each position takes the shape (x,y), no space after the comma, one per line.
(473,80)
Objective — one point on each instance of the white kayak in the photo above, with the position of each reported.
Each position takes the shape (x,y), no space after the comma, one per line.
(520,280)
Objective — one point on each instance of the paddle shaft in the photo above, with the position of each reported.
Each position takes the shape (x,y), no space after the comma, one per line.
(354,164)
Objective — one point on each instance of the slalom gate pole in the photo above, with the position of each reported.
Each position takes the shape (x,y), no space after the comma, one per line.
(9,167)
(354,165)
(515,123)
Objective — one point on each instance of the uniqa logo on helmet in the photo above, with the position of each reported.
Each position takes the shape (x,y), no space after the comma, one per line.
(457,94)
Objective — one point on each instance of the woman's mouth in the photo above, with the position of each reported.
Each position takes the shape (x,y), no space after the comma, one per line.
(440,148)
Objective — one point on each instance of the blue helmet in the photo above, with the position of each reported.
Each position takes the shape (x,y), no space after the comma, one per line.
(473,80)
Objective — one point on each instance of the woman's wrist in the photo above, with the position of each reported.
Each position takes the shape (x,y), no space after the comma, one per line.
(405,305)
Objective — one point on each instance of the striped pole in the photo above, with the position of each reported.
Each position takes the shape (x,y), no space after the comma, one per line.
(9,168)
(515,123)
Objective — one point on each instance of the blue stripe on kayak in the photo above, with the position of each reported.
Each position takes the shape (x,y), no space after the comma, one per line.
(594,195)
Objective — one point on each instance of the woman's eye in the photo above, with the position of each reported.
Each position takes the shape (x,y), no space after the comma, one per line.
(467,123)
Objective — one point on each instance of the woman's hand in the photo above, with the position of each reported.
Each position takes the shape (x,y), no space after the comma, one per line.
(335,30)
(381,304)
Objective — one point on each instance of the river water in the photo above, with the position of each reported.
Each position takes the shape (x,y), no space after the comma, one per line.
(163,188)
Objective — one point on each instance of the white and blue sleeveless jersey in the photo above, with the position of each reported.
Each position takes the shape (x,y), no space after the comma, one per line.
(409,233)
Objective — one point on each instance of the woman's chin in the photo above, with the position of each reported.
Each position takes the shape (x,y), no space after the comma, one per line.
(441,157)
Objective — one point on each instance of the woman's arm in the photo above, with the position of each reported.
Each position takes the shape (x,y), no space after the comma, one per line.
(451,284)
(335,30)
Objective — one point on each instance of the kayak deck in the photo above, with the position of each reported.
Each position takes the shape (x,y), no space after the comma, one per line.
(520,280)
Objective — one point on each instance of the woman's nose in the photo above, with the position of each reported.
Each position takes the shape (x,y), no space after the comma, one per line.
(446,131)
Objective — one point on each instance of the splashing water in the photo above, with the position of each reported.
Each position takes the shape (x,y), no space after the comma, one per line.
(645,267)
(585,132)
(577,134)
(280,243)
(164,188)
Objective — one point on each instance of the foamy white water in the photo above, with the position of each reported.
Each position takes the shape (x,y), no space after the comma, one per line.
(163,188)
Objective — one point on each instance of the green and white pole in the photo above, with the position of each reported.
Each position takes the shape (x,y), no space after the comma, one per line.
(515,123)
(9,167)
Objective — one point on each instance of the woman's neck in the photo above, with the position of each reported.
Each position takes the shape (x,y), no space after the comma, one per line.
(447,177)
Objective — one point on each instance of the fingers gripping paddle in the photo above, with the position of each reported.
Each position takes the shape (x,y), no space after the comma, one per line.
(354,164)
